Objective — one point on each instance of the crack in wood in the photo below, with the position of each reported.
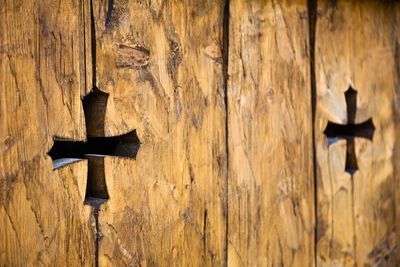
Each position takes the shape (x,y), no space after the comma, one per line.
(225,59)
(312,21)
(97,146)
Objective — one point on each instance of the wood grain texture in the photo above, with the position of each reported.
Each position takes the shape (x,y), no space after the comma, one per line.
(161,63)
(42,76)
(396,105)
(219,179)
(355,46)
(271,206)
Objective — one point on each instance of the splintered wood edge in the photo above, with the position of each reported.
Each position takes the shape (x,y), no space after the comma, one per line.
(60,163)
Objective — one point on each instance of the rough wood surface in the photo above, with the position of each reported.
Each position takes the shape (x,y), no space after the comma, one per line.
(356,46)
(271,206)
(219,179)
(396,105)
(42,77)
(161,63)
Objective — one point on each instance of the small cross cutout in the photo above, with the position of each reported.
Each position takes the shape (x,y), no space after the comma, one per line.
(96,147)
(349,131)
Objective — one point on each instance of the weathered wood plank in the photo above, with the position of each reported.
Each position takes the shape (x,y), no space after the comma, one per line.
(271,197)
(42,77)
(161,64)
(396,151)
(355,46)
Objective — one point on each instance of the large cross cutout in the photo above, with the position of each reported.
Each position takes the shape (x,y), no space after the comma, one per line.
(351,130)
(96,147)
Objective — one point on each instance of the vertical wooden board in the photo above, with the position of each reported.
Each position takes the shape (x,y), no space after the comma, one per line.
(396,151)
(62,64)
(355,47)
(43,219)
(271,197)
(161,63)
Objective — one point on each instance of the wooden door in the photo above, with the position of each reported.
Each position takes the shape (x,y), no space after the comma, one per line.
(199,133)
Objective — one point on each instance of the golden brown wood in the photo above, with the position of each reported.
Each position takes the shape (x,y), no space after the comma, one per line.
(271,206)
(396,150)
(160,68)
(355,46)
(42,77)
(161,64)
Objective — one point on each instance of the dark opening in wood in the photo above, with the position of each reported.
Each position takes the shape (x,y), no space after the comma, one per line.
(351,103)
(96,183)
(365,130)
(94,105)
(350,131)
(351,160)
(95,148)
(126,145)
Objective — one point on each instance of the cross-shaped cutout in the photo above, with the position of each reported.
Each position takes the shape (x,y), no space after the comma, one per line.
(96,147)
(351,130)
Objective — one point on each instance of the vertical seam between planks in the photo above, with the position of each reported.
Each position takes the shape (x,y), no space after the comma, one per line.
(95,210)
(93,41)
(396,120)
(84,46)
(225,48)
(312,21)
